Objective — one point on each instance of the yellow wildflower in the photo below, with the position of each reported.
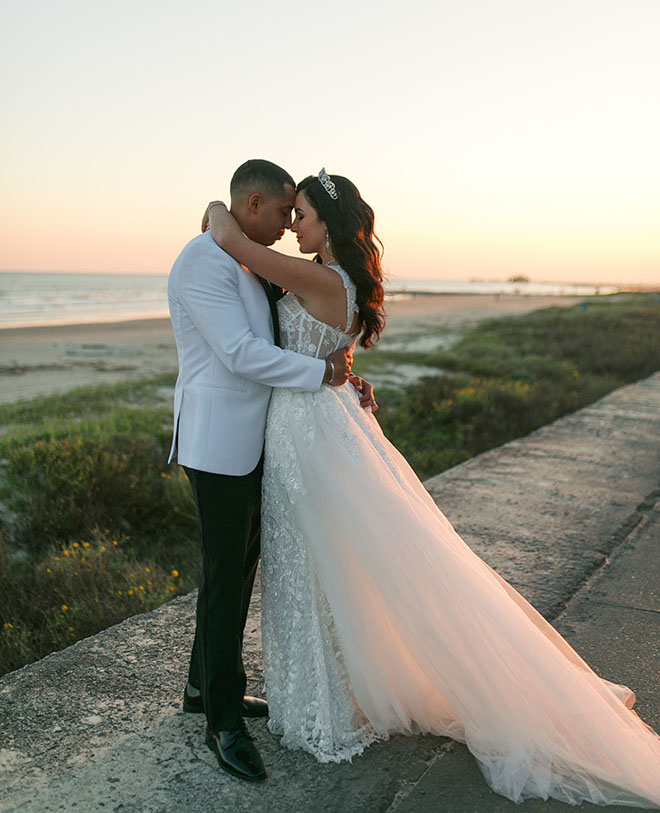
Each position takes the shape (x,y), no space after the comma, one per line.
(76,545)
(130,592)
(175,573)
(48,570)
(147,570)
(85,544)
(70,629)
(7,625)
(65,607)
(102,548)
(121,592)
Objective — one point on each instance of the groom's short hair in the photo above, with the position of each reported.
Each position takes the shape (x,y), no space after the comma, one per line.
(258,175)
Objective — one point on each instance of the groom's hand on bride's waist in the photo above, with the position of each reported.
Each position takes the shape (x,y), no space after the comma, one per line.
(338,371)
(338,367)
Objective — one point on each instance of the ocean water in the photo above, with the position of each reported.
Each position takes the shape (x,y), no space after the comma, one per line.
(32,298)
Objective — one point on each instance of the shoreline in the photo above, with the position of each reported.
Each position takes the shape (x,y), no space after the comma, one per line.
(393,300)
(155,322)
(44,360)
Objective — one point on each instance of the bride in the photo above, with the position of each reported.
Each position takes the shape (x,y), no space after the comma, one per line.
(377,617)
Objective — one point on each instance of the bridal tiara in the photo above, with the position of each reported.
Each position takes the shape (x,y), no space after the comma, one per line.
(327,184)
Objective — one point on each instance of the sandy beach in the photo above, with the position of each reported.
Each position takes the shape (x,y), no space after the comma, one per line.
(37,361)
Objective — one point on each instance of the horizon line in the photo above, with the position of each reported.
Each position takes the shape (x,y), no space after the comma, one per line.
(625,285)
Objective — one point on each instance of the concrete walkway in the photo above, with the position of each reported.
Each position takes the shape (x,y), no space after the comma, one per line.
(570,515)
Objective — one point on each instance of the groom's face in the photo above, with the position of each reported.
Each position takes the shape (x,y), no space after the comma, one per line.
(273,217)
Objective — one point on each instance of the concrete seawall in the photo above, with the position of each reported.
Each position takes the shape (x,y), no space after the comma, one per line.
(570,515)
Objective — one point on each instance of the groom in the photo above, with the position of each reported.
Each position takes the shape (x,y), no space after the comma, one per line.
(226,329)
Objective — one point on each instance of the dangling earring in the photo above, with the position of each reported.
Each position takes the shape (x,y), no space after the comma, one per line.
(329,259)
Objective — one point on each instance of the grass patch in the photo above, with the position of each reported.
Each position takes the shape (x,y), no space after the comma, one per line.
(95,527)
(507,377)
(73,591)
(85,401)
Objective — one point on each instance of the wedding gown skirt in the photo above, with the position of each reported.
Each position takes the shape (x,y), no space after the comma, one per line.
(378,618)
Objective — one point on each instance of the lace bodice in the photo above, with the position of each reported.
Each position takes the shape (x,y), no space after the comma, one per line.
(304,333)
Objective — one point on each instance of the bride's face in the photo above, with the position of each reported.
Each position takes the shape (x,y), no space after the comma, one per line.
(310,231)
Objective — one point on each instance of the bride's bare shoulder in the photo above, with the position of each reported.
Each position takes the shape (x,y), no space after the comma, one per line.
(326,299)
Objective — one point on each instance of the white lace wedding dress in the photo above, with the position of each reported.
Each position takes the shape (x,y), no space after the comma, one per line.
(378,618)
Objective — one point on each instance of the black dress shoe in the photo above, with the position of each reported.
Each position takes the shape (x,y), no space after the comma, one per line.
(250,707)
(254,707)
(192,703)
(236,753)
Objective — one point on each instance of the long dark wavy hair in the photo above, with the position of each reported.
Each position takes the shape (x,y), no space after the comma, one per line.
(350,224)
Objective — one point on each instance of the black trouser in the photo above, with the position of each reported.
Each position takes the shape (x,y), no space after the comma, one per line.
(229,513)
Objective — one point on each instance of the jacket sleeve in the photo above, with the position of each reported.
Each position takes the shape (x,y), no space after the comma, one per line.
(208,291)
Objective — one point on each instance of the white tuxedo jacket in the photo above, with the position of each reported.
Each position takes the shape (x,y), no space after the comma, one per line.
(228,363)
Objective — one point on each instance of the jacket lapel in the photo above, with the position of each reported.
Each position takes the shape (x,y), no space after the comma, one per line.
(272,294)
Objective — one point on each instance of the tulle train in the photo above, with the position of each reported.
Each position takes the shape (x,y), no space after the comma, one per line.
(431,639)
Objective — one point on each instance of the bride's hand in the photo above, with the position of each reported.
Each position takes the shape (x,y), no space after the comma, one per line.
(205,218)
(223,227)
(365,391)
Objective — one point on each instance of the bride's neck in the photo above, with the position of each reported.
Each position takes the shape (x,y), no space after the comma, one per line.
(327,258)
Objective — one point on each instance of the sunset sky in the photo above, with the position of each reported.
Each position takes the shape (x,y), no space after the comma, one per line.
(491,138)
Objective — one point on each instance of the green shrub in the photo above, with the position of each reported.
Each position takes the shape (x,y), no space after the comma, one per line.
(517,374)
(93,519)
(75,590)
(63,482)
